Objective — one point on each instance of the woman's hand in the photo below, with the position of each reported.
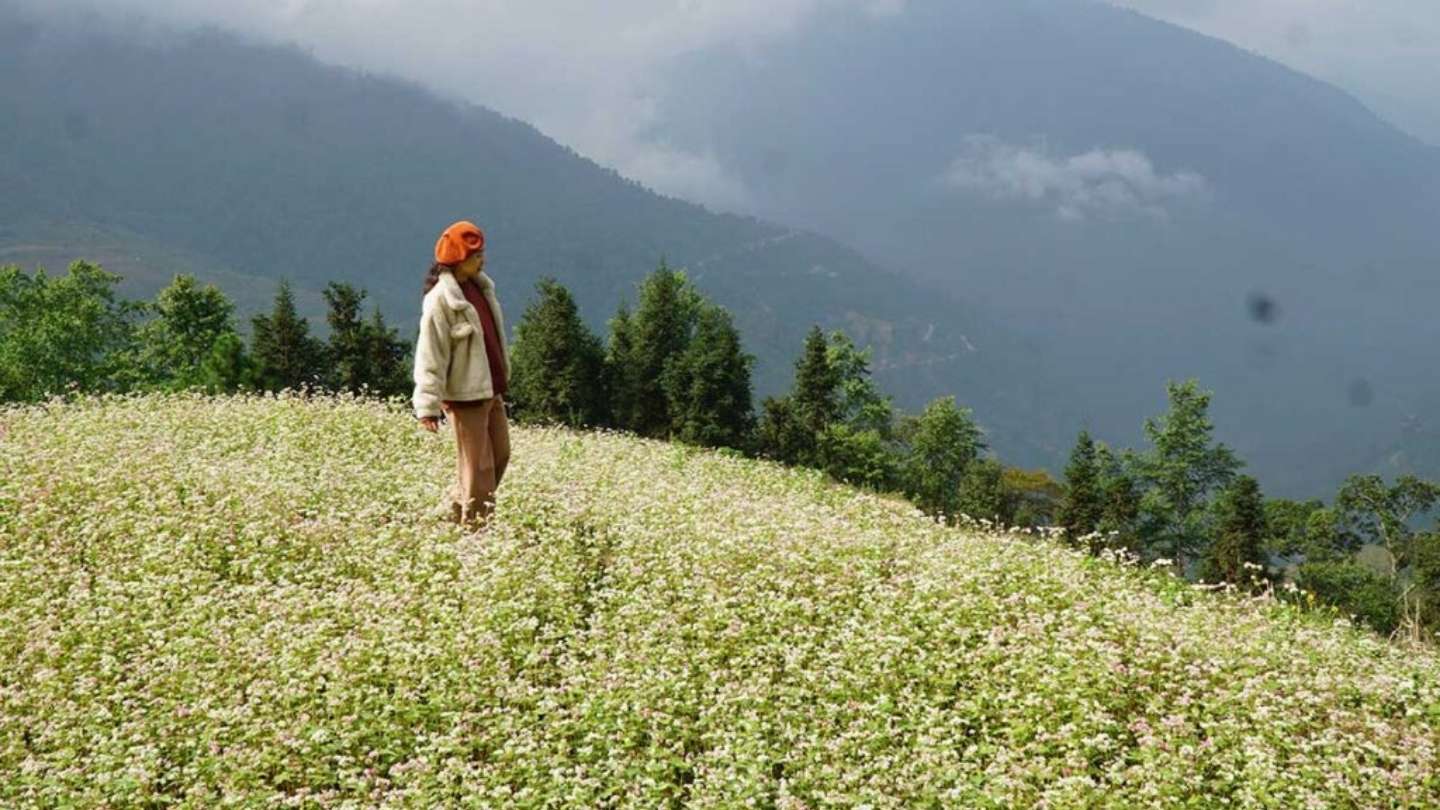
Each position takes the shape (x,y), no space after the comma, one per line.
(430,423)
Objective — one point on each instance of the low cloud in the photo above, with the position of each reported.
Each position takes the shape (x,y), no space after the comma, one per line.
(1100,184)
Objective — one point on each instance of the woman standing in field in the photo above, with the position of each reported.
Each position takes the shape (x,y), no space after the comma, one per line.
(461,369)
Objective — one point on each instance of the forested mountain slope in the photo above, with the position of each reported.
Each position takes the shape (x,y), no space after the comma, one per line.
(156,153)
(1141,201)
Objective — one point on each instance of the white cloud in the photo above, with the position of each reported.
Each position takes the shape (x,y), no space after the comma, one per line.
(1106,184)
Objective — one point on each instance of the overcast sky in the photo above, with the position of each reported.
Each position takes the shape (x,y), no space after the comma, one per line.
(1386,52)
(583,71)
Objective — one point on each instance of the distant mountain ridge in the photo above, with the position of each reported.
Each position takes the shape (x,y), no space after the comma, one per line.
(244,164)
(1119,190)
(1084,203)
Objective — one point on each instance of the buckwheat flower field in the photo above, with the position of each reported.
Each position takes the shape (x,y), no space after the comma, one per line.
(257,602)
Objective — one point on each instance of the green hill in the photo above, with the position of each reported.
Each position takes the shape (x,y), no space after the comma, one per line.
(251,602)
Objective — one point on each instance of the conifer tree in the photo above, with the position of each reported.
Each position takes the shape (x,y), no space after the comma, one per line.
(557,365)
(779,434)
(1084,505)
(227,368)
(661,330)
(285,354)
(708,389)
(347,355)
(834,418)
(1240,533)
(817,385)
(362,354)
(387,355)
(791,425)
(621,377)
(1121,495)
(859,445)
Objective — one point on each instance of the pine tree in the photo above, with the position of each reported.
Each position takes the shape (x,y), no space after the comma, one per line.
(1120,495)
(558,366)
(817,385)
(362,355)
(779,435)
(834,418)
(1239,534)
(811,408)
(227,368)
(622,387)
(661,330)
(708,389)
(347,355)
(859,444)
(1084,505)
(387,358)
(790,425)
(285,353)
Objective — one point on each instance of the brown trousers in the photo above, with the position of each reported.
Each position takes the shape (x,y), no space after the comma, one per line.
(482,451)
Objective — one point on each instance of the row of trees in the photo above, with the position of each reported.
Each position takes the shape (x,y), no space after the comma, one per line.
(73,332)
(1185,500)
(675,368)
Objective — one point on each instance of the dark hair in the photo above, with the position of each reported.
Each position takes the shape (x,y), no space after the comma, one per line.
(433,277)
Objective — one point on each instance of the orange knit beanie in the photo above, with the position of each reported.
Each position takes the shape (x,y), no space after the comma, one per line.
(458,242)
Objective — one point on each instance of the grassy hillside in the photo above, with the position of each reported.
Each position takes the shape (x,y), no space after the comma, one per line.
(242,601)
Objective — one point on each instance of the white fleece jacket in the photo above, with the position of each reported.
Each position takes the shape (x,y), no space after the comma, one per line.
(450,359)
